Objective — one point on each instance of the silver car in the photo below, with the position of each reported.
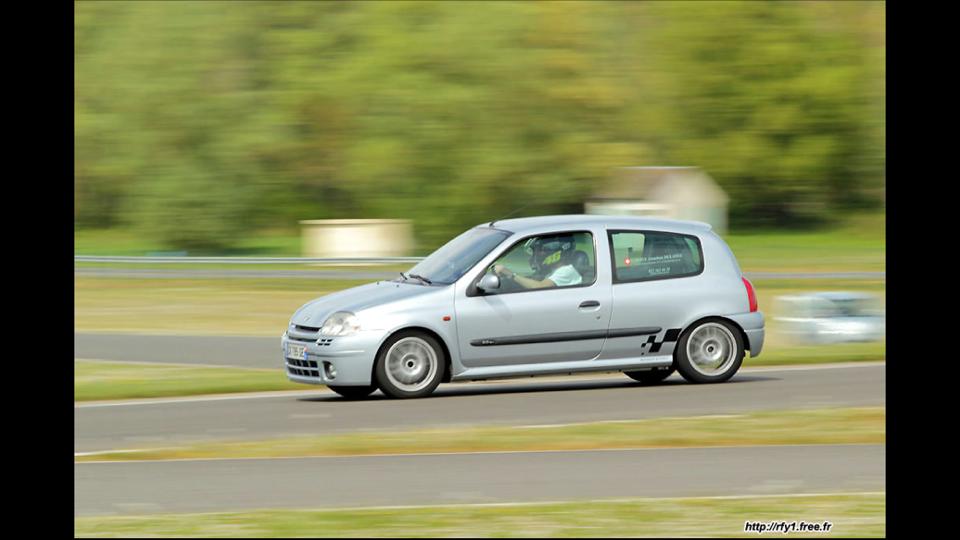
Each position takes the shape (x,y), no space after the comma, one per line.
(537,296)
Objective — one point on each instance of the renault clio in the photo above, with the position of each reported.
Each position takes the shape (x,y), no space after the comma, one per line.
(537,296)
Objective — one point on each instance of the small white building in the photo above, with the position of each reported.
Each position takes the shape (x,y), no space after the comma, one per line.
(357,238)
(669,192)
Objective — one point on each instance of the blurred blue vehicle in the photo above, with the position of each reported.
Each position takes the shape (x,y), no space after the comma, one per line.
(537,296)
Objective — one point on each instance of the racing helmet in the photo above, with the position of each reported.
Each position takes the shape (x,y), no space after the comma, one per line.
(546,251)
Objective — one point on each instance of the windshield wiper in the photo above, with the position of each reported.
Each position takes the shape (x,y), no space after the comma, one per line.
(421,278)
(404,276)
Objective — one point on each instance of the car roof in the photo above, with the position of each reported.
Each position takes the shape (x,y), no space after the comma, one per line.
(539,223)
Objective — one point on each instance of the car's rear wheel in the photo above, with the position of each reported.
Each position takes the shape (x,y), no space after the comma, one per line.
(650,376)
(711,351)
(410,364)
(353,392)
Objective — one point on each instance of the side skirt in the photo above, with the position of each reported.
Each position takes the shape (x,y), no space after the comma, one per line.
(562,368)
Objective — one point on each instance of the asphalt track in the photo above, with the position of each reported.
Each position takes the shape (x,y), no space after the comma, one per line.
(99,427)
(205,486)
(238,484)
(239,351)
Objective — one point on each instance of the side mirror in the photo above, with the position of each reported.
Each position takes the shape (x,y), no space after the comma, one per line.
(489,282)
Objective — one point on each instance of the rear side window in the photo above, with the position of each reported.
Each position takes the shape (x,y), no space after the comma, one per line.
(649,255)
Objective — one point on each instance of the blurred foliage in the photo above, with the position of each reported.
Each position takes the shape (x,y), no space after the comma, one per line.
(198,123)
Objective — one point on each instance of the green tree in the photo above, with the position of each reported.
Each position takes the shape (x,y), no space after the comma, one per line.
(201,122)
(773,99)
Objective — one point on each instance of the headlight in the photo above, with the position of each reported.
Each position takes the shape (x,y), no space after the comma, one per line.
(341,323)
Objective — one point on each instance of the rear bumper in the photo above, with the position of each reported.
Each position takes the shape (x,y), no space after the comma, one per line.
(755,341)
(753,327)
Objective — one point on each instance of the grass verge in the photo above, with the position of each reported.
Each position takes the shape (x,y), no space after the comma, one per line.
(856,245)
(818,354)
(250,307)
(863,425)
(857,515)
(98,380)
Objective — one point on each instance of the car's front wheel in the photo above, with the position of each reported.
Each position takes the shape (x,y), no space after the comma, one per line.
(711,351)
(353,392)
(410,364)
(650,376)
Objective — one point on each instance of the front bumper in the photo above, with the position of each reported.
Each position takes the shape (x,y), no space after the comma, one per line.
(340,361)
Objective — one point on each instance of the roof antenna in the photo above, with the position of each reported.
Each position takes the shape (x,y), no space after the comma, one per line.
(510,214)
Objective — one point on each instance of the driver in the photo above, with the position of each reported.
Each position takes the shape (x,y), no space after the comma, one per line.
(550,257)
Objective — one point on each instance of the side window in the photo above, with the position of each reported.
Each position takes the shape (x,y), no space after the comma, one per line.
(642,256)
(547,261)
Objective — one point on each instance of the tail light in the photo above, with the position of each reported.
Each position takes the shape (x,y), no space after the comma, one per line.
(751,294)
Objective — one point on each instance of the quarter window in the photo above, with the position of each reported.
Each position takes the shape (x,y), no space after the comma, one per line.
(648,255)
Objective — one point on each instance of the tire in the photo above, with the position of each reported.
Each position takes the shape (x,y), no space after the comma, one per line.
(410,364)
(650,376)
(353,392)
(710,351)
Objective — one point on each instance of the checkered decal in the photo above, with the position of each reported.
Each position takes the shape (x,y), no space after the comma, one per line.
(652,345)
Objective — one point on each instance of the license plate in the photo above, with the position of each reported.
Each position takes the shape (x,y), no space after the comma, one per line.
(296,351)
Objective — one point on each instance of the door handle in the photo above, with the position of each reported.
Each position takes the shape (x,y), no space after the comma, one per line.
(589,303)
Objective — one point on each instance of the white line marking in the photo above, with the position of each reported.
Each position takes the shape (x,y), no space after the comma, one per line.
(322,390)
(174,364)
(212,397)
(474,453)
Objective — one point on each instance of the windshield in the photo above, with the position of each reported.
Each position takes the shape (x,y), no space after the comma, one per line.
(447,264)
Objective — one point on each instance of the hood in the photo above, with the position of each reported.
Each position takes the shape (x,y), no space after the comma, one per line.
(356,299)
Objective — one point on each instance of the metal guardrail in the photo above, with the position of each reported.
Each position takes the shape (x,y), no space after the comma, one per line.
(246,260)
(340,274)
